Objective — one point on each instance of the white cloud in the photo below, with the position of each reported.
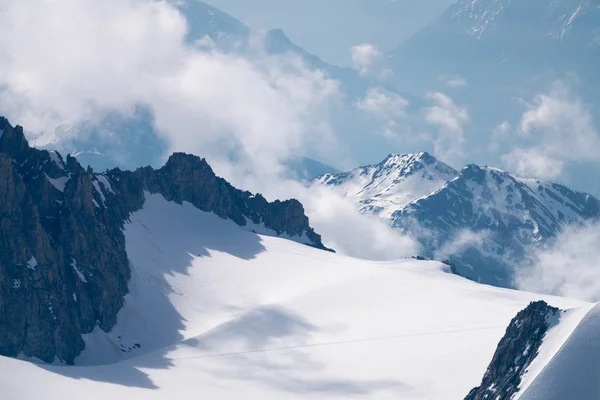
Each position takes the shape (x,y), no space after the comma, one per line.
(348,231)
(388,110)
(533,163)
(365,57)
(86,58)
(367,60)
(453,81)
(569,266)
(462,241)
(562,130)
(383,103)
(450,119)
(69,61)
(500,135)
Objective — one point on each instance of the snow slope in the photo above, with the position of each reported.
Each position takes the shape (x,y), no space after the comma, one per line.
(574,370)
(552,342)
(218,312)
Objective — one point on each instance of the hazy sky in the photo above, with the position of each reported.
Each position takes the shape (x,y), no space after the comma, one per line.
(329,28)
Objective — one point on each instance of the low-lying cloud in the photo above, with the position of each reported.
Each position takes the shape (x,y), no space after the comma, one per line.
(568,266)
(462,241)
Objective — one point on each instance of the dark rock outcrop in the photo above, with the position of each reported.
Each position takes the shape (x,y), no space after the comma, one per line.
(515,352)
(63,265)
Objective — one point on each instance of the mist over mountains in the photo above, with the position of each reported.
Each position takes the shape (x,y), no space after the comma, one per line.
(182,210)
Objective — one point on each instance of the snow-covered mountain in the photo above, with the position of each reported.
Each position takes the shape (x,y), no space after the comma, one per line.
(511,41)
(483,220)
(386,187)
(159,284)
(64,266)
(216,309)
(501,54)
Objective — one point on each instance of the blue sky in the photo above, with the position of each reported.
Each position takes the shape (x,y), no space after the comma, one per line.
(266,109)
(329,28)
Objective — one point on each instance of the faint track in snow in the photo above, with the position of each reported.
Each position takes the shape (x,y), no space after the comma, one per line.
(342,342)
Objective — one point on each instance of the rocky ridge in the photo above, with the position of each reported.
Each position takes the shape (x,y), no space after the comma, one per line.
(515,352)
(63,265)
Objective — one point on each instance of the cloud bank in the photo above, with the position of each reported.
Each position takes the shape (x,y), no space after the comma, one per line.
(246,114)
(86,58)
(569,266)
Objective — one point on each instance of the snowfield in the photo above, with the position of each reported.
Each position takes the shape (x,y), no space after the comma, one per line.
(218,312)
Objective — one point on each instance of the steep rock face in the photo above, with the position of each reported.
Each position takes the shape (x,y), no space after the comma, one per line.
(189,178)
(515,352)
(63,261)
(63,265)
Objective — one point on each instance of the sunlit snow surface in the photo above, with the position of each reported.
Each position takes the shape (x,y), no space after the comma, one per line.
(217,312)
(574,370)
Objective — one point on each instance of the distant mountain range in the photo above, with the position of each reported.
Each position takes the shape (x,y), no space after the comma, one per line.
(483,220)
(103,144)
(511,41)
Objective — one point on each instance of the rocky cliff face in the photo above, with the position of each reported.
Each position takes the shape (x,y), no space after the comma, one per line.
(63,265)
(515,352)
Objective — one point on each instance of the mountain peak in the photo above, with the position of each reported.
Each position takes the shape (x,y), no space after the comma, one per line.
(422,156)
(388,186)
(12,140)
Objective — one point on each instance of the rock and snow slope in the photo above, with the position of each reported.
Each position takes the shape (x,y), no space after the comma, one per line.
(64,268)
(217,312)
(482,219)
(545,354)
(574,370)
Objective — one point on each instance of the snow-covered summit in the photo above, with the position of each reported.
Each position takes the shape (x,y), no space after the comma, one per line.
(484,220)
(396,181)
